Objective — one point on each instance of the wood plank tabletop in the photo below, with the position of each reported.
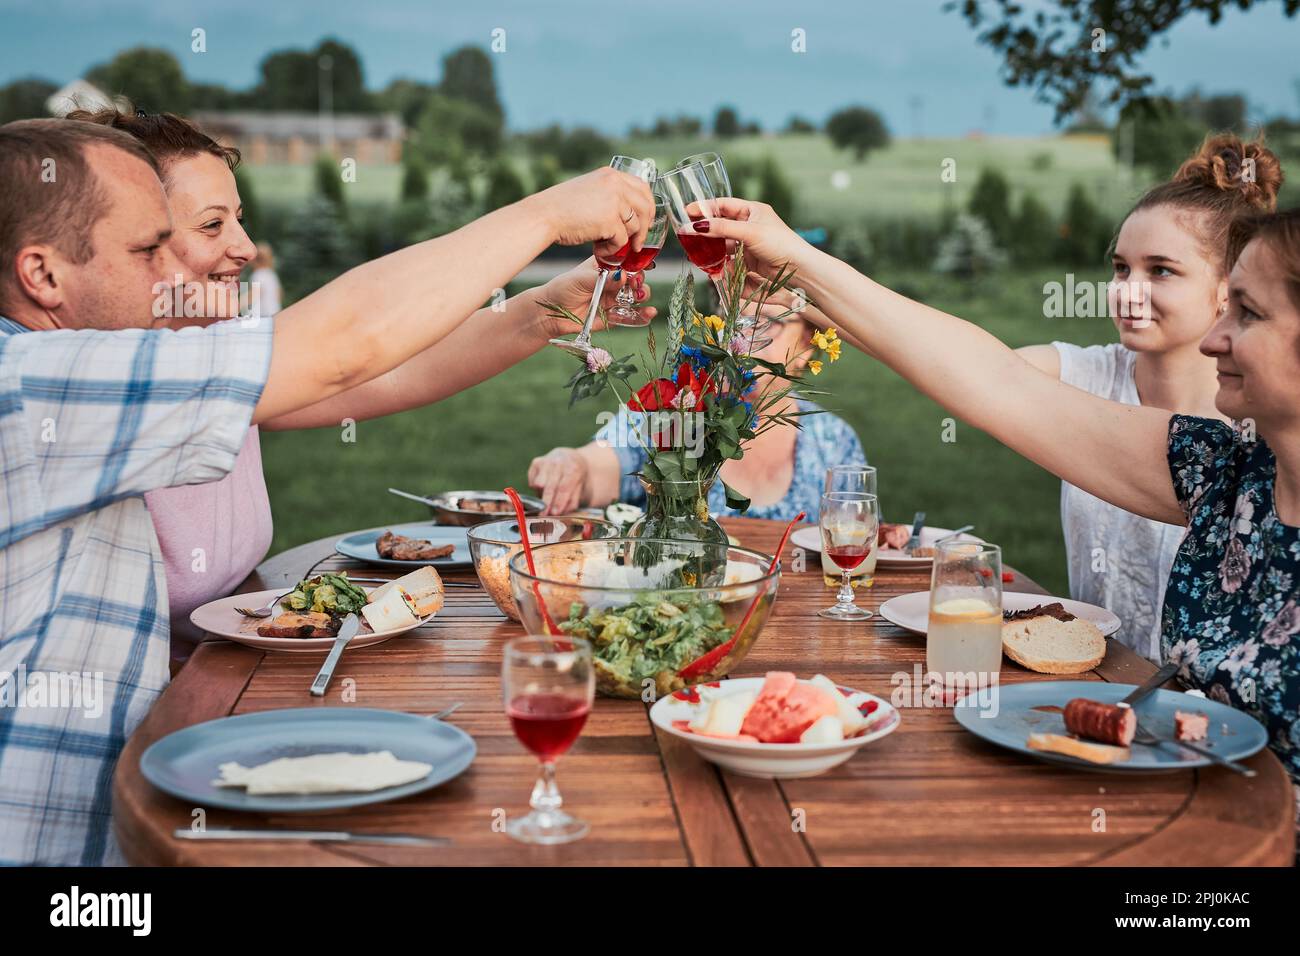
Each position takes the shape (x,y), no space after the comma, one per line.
(928,794)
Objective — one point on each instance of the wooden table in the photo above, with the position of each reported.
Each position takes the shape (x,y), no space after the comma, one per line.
(929,794)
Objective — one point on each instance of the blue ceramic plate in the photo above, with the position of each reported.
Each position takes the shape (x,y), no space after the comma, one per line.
(361,545)
(185,763)
(1232,734)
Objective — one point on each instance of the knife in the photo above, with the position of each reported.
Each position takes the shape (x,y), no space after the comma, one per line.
(914,542)
(321,836)
(351,624)
(1160,677)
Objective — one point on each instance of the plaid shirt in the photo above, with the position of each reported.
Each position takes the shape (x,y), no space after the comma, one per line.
(89,421)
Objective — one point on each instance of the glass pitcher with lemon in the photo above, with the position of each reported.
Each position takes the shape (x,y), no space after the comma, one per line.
(963,643)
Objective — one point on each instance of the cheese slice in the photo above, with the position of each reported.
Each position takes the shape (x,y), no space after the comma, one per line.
(324,773)
(391,611)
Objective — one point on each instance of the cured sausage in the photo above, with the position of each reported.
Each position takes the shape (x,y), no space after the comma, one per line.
(1108,723)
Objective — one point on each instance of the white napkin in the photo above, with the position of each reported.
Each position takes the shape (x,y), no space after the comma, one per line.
(324,773)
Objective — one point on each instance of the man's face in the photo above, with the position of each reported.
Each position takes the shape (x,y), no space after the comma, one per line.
(119,287)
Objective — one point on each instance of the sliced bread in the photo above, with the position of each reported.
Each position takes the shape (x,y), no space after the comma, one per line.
(424,585)
(1050,640)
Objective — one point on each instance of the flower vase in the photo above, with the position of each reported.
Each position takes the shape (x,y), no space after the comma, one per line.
(679,511)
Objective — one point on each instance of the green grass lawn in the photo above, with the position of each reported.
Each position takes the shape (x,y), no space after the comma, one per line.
(485,438)
(902,180)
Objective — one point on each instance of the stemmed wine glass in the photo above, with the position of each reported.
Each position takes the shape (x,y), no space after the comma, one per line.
(625,311)
(698,181)
(643,169)
(850,522)
(548,685)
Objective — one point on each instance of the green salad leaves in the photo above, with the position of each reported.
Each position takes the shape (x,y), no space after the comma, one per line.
(332,593)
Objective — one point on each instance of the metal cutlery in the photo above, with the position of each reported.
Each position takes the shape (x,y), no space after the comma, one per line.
(420,498)
(914,542)
(960,531)
(347,630)
(313,836)
(266,610)
(1148,687)
(447,711)
(1146,738)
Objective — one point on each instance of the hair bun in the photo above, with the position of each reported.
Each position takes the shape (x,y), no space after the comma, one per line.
(1225,164)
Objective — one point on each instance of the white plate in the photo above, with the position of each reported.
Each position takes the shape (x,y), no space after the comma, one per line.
(753,759)
(912,611)
(811,539)
(219,617)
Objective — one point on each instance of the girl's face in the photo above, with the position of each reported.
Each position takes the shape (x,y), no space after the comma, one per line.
(208,238)
(1256,345)
(1166,294)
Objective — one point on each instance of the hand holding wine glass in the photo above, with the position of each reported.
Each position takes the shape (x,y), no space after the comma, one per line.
(607,206)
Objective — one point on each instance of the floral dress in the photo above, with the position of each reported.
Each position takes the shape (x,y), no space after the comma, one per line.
(823,440)
(1232,605)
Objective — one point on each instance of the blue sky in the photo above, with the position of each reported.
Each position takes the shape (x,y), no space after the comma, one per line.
(609,64)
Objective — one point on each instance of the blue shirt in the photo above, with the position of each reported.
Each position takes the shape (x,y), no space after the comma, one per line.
(90,421)
(822,441)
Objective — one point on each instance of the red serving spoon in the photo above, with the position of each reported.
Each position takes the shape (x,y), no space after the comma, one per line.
(513,495)
(702,665)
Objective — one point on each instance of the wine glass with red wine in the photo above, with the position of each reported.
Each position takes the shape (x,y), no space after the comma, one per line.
(625,311)
(850,521)
(643,169)
(692,192)
(548,685)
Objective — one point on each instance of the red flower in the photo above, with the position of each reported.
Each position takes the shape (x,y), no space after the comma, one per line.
(654,396)
(699,387)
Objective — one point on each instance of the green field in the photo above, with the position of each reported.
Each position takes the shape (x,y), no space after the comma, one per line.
(899,181)
(485,438)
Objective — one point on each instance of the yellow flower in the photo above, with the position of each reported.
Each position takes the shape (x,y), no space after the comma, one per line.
(695,318)
(833,350)
(830,335)
(819,340)
(816,366)
(715,322)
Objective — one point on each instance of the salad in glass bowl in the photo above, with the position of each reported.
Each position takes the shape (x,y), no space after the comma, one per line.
(655,624)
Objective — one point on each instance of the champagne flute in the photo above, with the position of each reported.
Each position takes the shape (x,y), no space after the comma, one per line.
(859,477)
(715,171)
(850,522)
(548,686)
(697,185)
(643,169)
(625,311)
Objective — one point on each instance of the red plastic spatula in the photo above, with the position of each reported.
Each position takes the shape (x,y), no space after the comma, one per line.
(513,495)
(702,665)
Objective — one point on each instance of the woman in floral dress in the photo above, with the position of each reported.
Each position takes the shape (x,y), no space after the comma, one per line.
(1230,616)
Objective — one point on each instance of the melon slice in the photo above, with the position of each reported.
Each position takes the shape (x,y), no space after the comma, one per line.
(825,730)
(784,709)
(724,715)
(852,718)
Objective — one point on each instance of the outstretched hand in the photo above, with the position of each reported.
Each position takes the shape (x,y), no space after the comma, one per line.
(573,290)
(769,242)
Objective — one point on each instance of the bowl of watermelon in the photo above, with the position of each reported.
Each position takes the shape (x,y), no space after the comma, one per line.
(775,726)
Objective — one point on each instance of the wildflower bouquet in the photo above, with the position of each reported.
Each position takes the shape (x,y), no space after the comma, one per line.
(700,400)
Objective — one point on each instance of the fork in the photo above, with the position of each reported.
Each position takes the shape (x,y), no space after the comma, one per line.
(266,609)
(1147,739)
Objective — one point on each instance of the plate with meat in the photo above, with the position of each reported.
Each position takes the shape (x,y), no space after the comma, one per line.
(1081,724)
(892,538)
(409,546)
(307,618)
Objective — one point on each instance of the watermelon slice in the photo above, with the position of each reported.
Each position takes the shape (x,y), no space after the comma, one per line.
(786,708)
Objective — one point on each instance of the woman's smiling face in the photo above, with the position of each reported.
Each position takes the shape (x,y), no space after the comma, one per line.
(1256,345)
(208,238)
(1163,281)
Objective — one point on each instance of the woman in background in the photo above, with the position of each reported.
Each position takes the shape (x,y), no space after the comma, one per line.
(783,471)
(266,295)
(1172,245)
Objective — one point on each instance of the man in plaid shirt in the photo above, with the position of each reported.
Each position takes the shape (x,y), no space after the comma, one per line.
(99,404)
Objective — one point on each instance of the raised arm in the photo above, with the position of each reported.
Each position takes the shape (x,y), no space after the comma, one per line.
(1116,452)
(488,342)
(378,315)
